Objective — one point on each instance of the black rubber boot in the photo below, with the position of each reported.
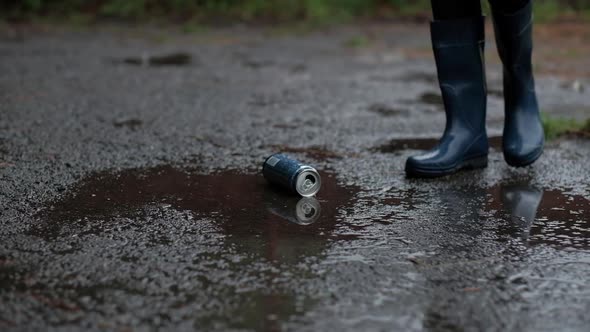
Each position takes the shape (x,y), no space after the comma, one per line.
(523,137)
(458,50)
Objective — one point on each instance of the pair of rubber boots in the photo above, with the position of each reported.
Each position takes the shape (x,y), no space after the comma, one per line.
(459,53)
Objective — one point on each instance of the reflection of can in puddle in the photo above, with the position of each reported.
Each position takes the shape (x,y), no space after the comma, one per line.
(292,175)
(306,211)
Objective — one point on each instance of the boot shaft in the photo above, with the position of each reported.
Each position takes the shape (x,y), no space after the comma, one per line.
(458,47)
(514,40)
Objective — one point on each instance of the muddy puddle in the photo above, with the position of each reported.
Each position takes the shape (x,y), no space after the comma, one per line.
(256,216)
(514,212)
(536,216)
(251,211)
(244,239)
(517,213)
(255,272)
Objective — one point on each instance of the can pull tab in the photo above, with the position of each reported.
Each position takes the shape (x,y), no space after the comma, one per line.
(307,184)
(308,210)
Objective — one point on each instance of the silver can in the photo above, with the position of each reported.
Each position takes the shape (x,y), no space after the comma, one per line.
(292,175)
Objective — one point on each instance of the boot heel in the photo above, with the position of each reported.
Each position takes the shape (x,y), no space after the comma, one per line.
(479,162)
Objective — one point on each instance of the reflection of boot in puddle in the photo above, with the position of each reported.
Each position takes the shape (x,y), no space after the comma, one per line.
(522,202)
(304,211)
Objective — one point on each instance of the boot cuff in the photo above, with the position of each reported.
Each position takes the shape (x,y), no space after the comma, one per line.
(514,24)
(449,33)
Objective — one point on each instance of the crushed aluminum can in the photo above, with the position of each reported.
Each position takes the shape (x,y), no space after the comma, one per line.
(292,175)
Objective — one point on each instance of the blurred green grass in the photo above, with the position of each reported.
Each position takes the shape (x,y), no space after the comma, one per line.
(556,126)
(272,11)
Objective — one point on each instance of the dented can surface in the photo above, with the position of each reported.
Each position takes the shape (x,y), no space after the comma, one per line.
(291,175)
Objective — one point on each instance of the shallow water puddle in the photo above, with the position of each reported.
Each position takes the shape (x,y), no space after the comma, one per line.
(513,211)
(238,240)
(244,206)
(536,216)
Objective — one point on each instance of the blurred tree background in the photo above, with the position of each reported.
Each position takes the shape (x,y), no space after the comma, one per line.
(271,11)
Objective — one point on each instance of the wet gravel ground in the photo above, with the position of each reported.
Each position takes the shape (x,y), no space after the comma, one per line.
(130,197)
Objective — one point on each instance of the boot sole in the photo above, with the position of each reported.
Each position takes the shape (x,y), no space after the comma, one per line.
(520,163)
(469,164)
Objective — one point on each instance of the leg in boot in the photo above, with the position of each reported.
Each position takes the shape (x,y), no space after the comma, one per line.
(443,10)
(458,51)
(523,137)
